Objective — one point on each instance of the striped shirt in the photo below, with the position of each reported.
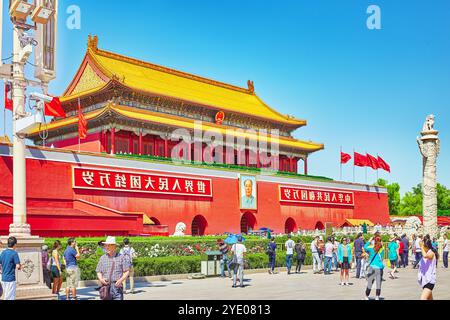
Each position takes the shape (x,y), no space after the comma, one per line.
(121,265)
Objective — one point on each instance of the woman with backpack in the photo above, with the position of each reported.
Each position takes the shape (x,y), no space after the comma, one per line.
(271,252)
(300,255)
(129,254)
(427,268)
(375,250)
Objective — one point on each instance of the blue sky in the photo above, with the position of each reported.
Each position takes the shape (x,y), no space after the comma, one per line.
(368,90)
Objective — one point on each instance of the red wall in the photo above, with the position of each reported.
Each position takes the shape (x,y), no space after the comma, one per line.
(91,144)
(49,184)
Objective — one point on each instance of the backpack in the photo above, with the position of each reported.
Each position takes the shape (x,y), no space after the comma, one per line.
(269,250)
(126,253)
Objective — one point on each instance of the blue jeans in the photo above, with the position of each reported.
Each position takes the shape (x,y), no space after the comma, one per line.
(116,293)
(358,264)
(289,261)
(418,258)
(272,261)
(406,258)
(224,262)
(445,259)
(335,264)
(328,262)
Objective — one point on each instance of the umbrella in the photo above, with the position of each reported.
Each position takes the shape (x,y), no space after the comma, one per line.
(233,238)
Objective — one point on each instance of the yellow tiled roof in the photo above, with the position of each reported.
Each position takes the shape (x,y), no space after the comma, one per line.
(151,78)
(178,122)
(359,222)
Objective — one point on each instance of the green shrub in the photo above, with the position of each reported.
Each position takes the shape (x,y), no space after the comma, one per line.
(180,265)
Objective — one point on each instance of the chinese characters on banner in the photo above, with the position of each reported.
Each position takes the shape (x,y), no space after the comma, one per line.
(316,196)
(86,178)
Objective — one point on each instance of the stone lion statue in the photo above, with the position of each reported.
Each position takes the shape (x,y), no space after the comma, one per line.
(413,225)
(180,229)
(443,230)
(429,124)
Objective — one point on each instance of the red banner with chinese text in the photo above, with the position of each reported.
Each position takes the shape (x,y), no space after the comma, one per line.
(316,196)
(110,180)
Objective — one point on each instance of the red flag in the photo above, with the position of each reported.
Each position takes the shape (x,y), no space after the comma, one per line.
(360,160)
(345,157)
(54,109)
(383,165)
(372,162)
(82,123)
(8,96)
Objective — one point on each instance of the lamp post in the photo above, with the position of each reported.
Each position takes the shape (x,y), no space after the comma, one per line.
(30,281)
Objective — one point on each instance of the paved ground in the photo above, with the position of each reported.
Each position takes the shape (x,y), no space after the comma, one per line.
(262,286)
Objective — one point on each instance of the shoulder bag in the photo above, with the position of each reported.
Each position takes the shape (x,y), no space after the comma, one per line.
(370,269)
(105,291)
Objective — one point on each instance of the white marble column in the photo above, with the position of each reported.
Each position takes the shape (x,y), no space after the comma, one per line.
(429,145)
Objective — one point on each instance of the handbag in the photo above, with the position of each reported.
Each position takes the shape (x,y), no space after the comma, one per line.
(105,291)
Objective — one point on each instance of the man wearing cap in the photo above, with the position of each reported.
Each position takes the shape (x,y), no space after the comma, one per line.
(239,250)
(223,247)
(113,269)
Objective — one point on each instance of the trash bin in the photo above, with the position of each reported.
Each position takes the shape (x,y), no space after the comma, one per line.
(210,265)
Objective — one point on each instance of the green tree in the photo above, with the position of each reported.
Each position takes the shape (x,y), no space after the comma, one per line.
(443,196)
(393,190)
(411,204)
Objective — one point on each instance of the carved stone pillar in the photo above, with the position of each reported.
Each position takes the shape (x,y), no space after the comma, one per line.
(429,146)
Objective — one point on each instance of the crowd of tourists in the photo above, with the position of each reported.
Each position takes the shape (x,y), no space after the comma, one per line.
(113,269)
(366,258)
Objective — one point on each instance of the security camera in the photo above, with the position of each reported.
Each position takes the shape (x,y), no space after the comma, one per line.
(25,53)
(40,97)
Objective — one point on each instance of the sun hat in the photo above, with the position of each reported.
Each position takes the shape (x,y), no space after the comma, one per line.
(110,240)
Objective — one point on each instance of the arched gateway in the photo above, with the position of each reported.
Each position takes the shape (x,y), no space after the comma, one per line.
(290,226)
(319,226)
(198,226)
(248,221)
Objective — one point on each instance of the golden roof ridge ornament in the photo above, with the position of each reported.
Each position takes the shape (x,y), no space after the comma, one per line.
(93,42)
(251,86)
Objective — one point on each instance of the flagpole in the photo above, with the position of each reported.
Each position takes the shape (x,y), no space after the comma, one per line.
(341,164)
(353,165)
(79,139)
(4,121)
(377,168)
(366,167)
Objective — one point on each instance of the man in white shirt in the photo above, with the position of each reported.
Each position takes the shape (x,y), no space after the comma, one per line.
(317,265)
(290,244)
(445,250)
(239,250)
(328,256)
(129,254)
(418,250)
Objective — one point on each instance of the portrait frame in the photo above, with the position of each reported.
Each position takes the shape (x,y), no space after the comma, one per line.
(243,178)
